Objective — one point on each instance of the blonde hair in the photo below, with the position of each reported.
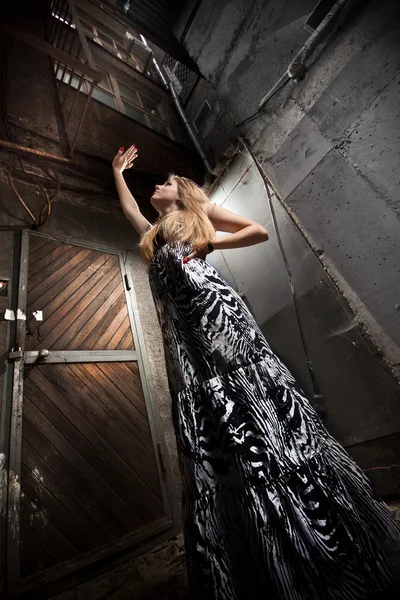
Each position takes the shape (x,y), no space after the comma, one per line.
(189,223)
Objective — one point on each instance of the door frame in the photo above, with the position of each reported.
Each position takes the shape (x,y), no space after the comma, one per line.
(131,544)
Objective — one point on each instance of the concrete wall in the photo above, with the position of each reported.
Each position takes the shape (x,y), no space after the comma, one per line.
(329,145)
(360,396)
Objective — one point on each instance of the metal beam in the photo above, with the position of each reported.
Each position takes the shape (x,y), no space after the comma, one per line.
(19,148)
(80,356)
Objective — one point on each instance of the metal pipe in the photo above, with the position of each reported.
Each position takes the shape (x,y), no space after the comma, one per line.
(181,111)
(67,25)
(280,83)
(69,51)
(297,67)
(189,127)
(318,397)
(82,37)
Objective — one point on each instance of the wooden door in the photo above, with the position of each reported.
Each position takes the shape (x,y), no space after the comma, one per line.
(89,480)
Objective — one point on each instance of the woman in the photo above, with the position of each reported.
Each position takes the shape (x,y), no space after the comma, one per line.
(273,506)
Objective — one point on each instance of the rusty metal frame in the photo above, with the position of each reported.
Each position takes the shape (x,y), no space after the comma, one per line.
(148,393)
(6,411)
(24,149)
(14,486)
(33,357)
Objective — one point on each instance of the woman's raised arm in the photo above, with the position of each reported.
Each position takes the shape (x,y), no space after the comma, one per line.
(129,205)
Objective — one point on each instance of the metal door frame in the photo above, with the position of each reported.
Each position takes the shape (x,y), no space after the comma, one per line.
(164,528)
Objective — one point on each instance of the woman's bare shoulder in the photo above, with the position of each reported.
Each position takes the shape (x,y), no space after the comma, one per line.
(226,220)
(209,207)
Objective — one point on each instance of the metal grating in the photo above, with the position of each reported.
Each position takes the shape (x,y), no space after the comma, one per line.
(180,75)
(155,20)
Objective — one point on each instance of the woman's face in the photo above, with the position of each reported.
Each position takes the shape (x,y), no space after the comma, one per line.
(165,196)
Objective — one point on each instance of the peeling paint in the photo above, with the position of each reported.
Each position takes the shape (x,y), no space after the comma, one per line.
(14,488)
(38,475)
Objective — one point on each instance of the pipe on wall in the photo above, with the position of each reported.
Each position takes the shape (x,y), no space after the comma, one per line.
(297,67)
(181,111)
(189,127)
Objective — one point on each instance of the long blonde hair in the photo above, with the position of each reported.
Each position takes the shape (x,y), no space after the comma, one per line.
(188,223)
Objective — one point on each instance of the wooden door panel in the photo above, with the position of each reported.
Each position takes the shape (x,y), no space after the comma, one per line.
(82,296)
(89,473)
(89,476)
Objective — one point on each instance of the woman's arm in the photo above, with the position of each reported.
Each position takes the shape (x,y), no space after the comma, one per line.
(245,232)
(129,205)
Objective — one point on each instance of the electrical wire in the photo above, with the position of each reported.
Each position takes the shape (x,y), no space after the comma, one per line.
(7,57)
(253,116)
(318,397)
(49,199)
(10,181)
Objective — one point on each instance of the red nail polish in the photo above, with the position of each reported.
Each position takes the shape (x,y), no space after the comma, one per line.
(185,260)
(121,149)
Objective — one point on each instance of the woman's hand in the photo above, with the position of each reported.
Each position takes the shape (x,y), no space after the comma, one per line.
(125,160)
(201,253)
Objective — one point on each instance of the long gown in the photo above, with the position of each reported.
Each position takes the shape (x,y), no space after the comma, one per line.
(273,506)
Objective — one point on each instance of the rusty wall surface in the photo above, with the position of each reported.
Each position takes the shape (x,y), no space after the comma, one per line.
(83,217)
(6,264)
(86,208)
(104,130)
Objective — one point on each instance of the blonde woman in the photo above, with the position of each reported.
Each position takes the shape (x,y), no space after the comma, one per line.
(273,506)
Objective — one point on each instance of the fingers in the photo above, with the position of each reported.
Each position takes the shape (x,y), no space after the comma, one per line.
(125,160)
(131,153)
(189,257)
(129,159)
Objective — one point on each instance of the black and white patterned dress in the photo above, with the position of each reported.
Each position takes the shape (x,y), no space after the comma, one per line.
(273,506)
